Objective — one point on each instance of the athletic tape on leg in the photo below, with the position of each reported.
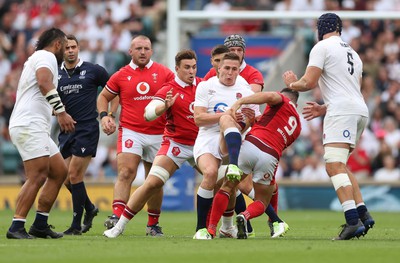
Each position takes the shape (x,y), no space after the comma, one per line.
(333,154)
(340,180)
(159,172)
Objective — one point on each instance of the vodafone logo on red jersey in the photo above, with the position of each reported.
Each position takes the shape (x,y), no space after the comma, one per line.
(143,88)
(191,107)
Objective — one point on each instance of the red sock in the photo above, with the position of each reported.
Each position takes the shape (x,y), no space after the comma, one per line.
(153,216)
(274,199)
(220,203)
(208,215)
(128,213)
(255,209)
(118,207)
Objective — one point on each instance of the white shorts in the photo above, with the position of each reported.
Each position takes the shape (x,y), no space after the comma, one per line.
(144,145)
(207,143)
(179,153)
(32,142)
(344,129)
(262,164)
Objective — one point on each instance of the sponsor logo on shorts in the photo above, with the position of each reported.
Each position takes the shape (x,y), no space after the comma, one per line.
(176,151)
(128,143)
(346,134)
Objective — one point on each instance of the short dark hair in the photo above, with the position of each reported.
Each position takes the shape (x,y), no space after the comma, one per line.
(231,56)
(72,37)
(219,49)
(293,95)
(48,37)
(184,54)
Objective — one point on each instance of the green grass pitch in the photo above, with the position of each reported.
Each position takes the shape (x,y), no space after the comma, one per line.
(308,240)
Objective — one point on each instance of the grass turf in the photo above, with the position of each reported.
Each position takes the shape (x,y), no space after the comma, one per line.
(308,240)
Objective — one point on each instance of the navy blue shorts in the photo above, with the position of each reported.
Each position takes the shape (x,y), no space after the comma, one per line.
(82,142)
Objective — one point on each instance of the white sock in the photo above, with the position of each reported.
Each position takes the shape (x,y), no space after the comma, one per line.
(226,222)
(251,194)
(122,222)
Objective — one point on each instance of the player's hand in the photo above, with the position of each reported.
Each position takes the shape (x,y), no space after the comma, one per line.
(67,124)
(313,110)
(170,99)
(289,77)
(108,125)
(249,114)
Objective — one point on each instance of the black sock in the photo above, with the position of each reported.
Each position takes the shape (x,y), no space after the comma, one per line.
(78,202)
(203,207)
(362,209)
(89,206)
(241,207)
(272,215)
(351,217)
(41,220)
(17,224)
(233,142)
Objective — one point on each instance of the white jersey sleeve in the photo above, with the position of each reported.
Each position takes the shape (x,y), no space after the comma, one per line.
(31,105)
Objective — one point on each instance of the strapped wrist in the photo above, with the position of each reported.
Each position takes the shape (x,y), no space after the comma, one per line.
(55,101)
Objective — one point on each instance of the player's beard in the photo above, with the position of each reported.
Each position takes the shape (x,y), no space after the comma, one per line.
(59,56)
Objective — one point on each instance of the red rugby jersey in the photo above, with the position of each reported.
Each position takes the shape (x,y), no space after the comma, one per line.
(279,126)
(136,88)
(180,120)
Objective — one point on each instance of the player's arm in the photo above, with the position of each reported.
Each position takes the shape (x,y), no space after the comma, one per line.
(256,87)
(307,82)
(107,120)
(202,118)
(44,79)
(271,98)
(157,107)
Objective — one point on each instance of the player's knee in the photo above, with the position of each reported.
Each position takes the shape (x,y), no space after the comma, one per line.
(334,155)
(126,174)
(340,180)
(160,173)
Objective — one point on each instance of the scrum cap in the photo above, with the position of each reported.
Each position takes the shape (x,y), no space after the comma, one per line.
(328,23)
(235,41)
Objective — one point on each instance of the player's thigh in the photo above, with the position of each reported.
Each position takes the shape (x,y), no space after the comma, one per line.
(343,129)
(127,164)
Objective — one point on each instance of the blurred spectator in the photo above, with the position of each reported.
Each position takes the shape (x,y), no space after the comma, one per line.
(392,134)
(389,172)
(296,166)
(349,31)
(314,169)
(215,7)
(359,163)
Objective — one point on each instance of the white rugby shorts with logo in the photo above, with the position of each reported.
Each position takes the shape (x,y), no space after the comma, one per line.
(343,129)
(32,141)
(144,145)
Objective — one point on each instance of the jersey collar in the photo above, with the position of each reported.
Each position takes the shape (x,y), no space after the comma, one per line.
(134,66)
(80,62)
(184,84)
(242,66)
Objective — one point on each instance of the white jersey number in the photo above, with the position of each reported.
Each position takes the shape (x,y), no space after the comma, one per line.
(291,127)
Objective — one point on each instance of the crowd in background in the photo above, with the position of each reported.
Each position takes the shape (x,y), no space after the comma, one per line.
(105,28)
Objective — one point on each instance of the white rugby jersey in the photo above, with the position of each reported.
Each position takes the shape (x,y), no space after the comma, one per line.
(31,105)
(341,74)
(217,97)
